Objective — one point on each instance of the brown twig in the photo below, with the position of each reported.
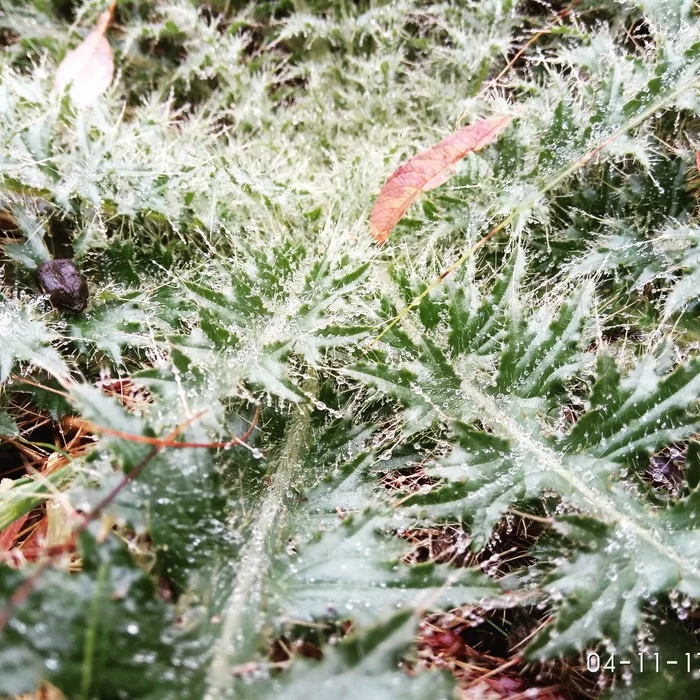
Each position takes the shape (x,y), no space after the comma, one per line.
(165,442)
(25,380)
(512,662)
(559,16)
(16,556)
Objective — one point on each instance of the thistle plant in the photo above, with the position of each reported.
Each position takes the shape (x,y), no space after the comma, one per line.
(283,452)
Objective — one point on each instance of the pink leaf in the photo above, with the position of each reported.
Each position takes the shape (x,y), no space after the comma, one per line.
(428,170)
(89,67)
(10,533)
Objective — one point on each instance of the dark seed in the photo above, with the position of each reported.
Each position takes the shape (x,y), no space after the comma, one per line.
(65,286)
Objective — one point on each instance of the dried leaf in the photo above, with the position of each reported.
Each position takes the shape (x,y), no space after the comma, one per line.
(11,532)
(59,524)
(428,170)
(89,67)
(46,691)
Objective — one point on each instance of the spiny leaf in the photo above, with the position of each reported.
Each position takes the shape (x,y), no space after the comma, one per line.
(603,585)
(112,603)
(32,252)
(354,571)
(663,642)
(363,665)
(27,338)
(216,221)
(640,413)
(510,457)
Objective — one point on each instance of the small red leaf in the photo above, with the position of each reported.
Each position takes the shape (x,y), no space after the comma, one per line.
(10,533)
(426,171)
(697,160)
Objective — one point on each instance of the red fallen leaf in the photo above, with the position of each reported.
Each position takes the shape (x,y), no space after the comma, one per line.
(697,160)
(426,171)
(37,536)
(9,534)
(447,643)
(89,67)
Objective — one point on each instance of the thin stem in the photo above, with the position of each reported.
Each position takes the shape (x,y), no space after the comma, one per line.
(91,634)
(167,442)
(244,610)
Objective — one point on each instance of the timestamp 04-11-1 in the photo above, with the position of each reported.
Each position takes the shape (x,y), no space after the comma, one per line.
(652,663)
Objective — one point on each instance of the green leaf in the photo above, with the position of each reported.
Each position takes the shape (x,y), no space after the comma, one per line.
(22,495)
(671,642)
(7,425)
(602,587)
(365,664)
(639,414)
(354,571)
(511,456)
(98,630)
(25,337)
(217,199)
(33,251)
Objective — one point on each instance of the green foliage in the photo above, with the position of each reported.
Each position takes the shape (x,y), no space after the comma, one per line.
(216,200)
(515,454)
(26,337)
(361,665)
(100,612)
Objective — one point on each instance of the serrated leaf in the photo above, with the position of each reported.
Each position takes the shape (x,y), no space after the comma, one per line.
(355,571)
(25,337)
(514,460)
(33,251)
(664,642)
(366,664)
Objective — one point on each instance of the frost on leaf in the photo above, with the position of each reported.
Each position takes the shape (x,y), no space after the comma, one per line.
(26,338)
